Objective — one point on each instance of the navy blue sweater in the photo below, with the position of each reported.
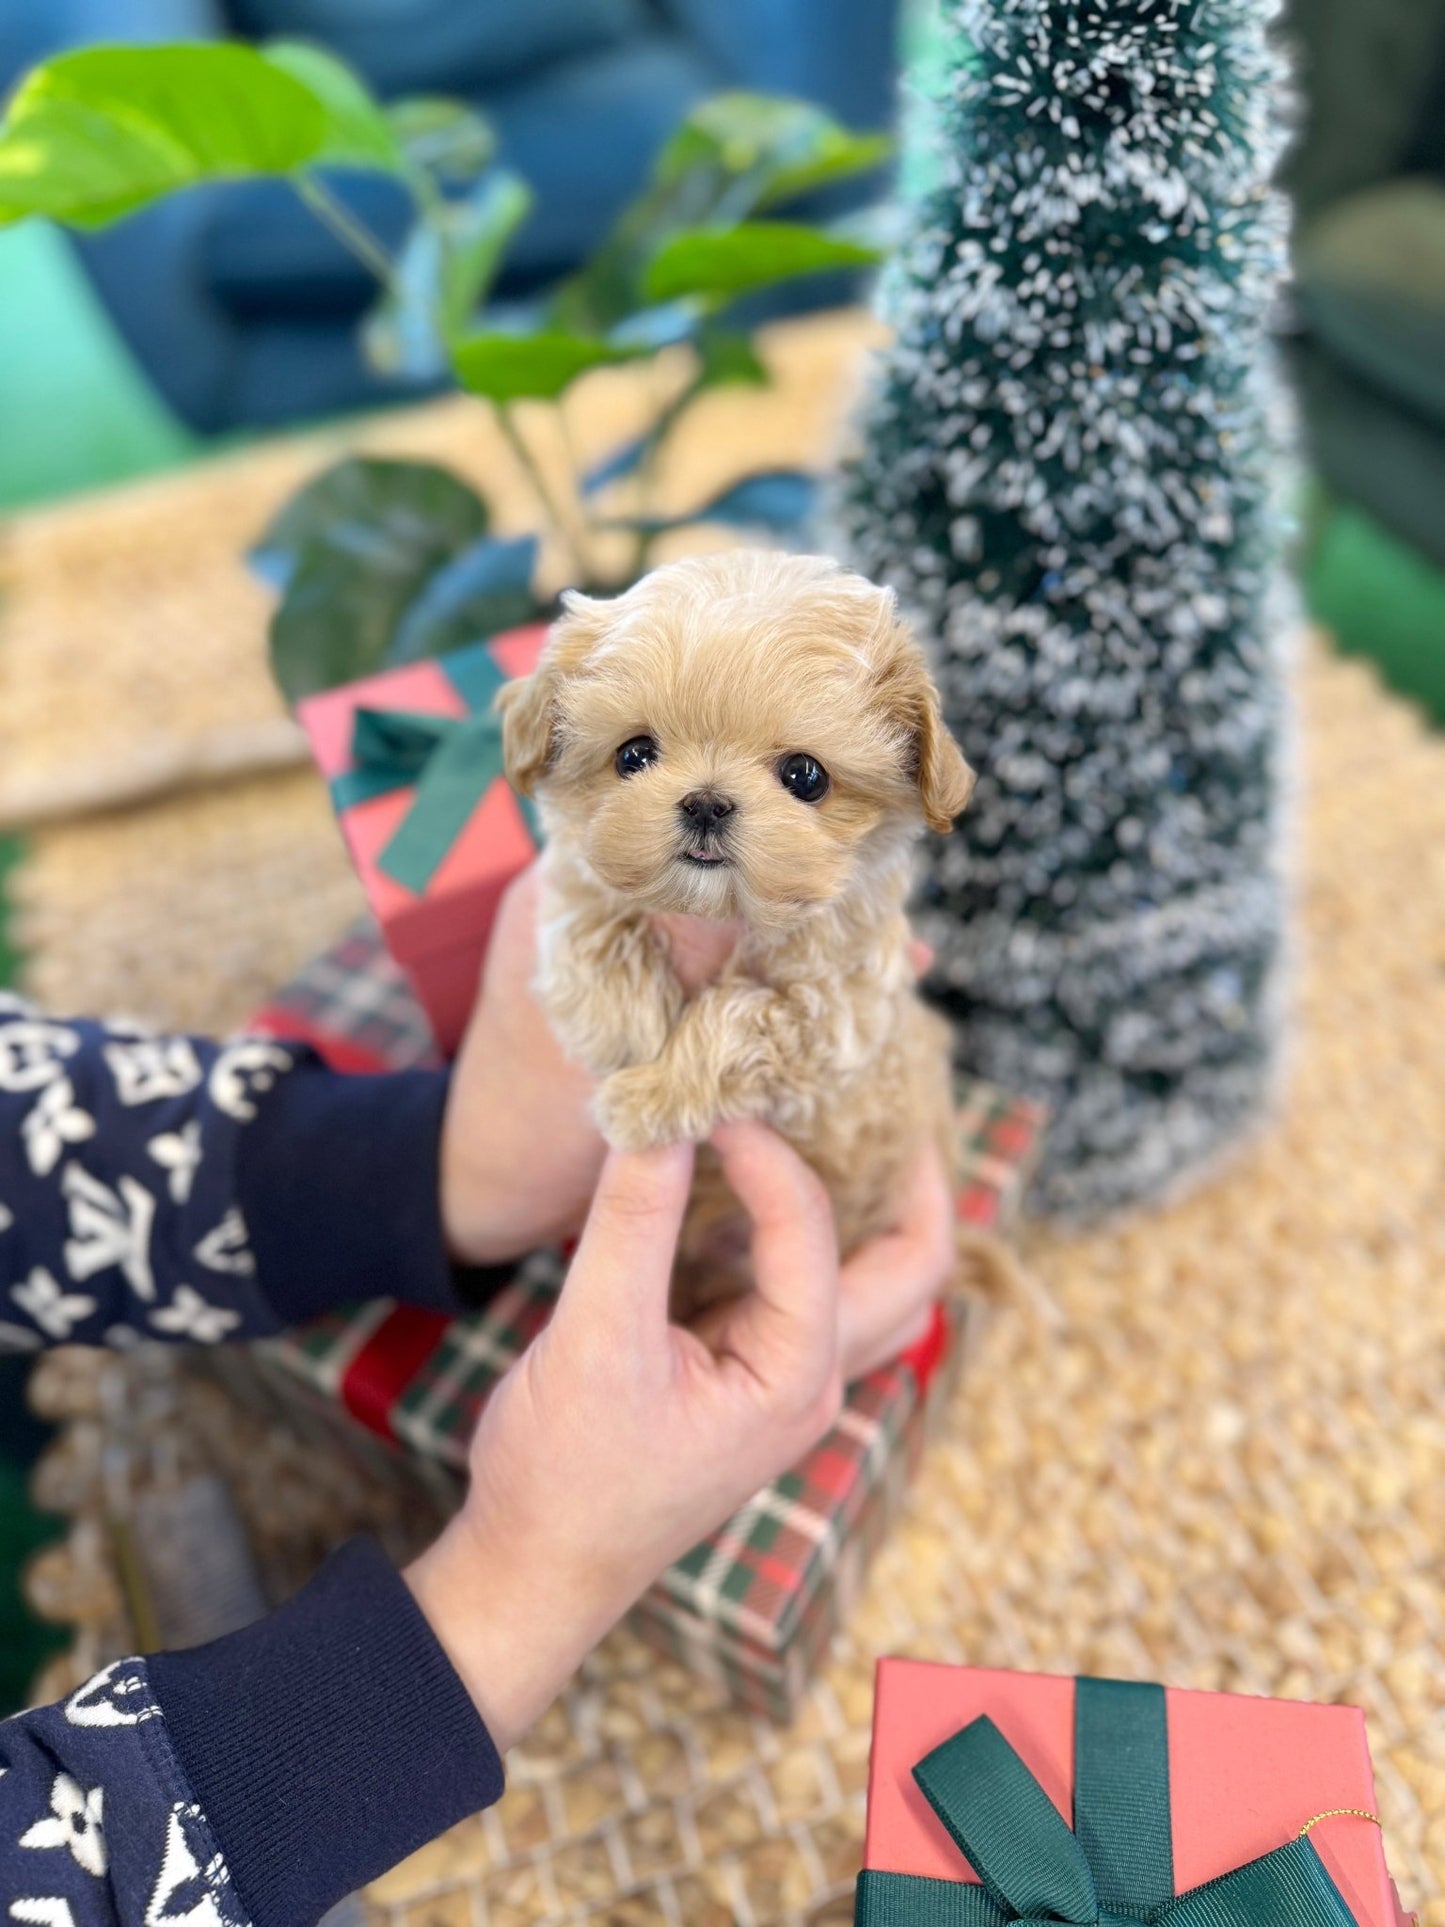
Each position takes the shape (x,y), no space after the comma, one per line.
(185,1191)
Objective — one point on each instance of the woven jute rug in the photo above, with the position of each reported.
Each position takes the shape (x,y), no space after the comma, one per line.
(1224,1468)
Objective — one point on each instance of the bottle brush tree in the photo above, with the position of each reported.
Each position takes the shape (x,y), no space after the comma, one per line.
(1068,469)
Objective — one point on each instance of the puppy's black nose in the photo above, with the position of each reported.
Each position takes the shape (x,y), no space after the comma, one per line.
(705,809)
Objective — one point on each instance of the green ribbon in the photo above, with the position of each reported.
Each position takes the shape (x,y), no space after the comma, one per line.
(452,761)
(1114,1868)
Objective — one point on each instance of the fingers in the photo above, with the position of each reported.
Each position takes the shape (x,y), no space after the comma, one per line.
(887,1287)
(789,1320)
(621,1275)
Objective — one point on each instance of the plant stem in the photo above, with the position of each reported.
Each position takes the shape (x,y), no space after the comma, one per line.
(668,416)
(582,538)
(532,470)
(351,233)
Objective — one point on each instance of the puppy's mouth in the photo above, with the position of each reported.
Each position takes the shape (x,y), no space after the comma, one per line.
(705,856)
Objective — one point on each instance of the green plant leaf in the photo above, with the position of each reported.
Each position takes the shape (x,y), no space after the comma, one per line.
(728,359)
(94,134)
(475,233)
(445,138)
(351,553)
(732,156)
(779,146)
(505,368)
(444,271)
(721,263)
(483,589)
(358,131)
(780,500)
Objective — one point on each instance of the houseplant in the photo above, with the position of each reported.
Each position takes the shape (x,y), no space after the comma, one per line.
(378,563)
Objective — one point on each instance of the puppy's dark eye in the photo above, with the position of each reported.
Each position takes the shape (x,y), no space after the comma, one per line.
(635,754)
(805,776)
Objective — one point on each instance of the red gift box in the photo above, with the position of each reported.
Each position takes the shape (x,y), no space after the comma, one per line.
(438,934)
(1238,1779)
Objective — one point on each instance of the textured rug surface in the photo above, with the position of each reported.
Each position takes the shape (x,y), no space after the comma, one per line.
(1224,1468)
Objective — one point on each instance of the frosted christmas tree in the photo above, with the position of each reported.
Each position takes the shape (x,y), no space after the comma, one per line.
(1068,471)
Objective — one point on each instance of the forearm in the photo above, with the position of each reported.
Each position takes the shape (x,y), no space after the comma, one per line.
(193,1191)
(280,1768)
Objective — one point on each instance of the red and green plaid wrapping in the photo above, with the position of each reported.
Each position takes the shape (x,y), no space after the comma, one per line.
(753,1607)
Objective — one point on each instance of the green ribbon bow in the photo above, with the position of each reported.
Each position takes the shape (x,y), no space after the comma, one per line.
(452,761)
(1115,1868)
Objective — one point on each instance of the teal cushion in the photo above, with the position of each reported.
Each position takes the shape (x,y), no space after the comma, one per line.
(406,46)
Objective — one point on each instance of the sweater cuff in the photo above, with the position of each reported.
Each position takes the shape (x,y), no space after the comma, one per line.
(327,1742)
(339,1180)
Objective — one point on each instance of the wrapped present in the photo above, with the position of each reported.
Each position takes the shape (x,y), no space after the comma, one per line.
(997,1797)
(751,1608)
(414,760)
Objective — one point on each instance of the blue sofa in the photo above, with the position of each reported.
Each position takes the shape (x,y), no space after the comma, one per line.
(243,312)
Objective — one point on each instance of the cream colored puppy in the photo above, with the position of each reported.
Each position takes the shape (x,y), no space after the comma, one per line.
(746,736)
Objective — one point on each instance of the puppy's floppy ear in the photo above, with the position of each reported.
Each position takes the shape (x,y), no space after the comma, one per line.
(530,706)
(945,781)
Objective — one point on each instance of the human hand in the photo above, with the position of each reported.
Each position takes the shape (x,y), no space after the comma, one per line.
(889,1286)
(520,1155)
(619,1440)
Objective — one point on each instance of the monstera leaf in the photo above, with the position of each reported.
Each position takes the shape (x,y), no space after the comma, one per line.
(380,562)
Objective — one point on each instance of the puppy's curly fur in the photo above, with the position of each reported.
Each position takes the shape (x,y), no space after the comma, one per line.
(784,748)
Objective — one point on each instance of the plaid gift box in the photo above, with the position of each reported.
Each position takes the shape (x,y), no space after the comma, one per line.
(753,1607)
(414,760)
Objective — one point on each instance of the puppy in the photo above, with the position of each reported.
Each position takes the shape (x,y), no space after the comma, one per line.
(746,736)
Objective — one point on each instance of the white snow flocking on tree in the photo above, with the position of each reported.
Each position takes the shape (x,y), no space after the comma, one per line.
(1069,468)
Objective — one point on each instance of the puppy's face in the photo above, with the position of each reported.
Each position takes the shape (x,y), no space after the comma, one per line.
(733,736)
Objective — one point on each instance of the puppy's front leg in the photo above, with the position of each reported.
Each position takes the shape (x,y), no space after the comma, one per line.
(608,987)
(737,1050)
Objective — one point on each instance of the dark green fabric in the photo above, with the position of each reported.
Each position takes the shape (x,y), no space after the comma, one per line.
(1290,1887)
(1115,1868)
(1121,1792)
(912,1900)
(1007,1827)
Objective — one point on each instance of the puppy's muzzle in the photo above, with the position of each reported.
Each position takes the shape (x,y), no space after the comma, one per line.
(704,815)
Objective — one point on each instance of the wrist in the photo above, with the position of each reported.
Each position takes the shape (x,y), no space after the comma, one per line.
(474,1208)
(514,1630)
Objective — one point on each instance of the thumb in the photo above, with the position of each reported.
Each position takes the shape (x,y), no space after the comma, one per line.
(622,1272)
(787,1326)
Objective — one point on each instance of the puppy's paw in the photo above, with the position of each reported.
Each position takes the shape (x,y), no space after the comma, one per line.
(641,1107)
(605,1026)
